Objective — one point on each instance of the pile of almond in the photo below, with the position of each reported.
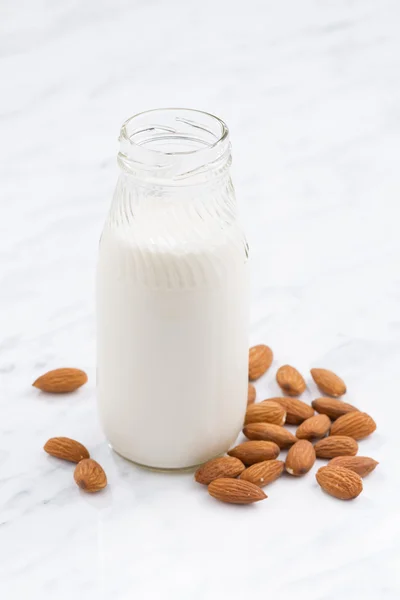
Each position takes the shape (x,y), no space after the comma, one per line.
(331,434)
(88,474)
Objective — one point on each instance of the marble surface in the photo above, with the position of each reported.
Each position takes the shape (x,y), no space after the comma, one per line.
(311,93)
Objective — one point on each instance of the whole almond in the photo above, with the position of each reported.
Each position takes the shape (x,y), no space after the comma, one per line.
(362,465)
(314,427)
(226,466)
(265,412)
(297,411)
(270,433)
(260,360)
(339,482)
(290,380)
(332,407)
(264,472)
(251,394)
(235,491)
(300,458)
(328,382)
(336,445)
(89,476)
(357,425)
(61,381)
(255,451)
(67,449)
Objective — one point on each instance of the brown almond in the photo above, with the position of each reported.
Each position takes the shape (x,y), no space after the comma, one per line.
(235,491)
(67,449)
(357,425)
(61,381)
(260,360)
(226,466)
(264,472)
(90,476)
(300,458)
(290,380)
(328,382)
(255,451)
(270,433)
(332,408)
(337,445)
(264,412)
(339,482)
(251,394)
(362,465)
(297,411)
(314,427)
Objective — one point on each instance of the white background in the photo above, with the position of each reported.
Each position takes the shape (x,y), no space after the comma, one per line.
(311,93)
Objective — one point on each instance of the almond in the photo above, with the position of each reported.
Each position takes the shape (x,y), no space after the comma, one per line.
(251,394)
(296,410)
(362,465)
(332,407)
(255,451)
(271,433)
(89,475)
(61,381)
(265,412)
(290,380)
(264,472)
(67,449)
(260,360)
(337,445)
(226,466)
(357,425)
(328,382)
(314,427)
(235,491)
(339,482)
(300,458)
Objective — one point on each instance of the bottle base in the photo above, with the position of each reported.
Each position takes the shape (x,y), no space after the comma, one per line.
(160,469)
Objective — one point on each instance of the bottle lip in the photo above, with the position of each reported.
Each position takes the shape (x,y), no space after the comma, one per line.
(129,129)
(174,144)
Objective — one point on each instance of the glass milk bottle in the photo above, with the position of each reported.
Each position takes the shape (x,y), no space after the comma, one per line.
(172,295)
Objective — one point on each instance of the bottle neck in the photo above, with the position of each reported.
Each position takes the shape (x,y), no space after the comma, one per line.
(175,147)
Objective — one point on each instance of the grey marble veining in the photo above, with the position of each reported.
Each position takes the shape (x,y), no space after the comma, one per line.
(311,93)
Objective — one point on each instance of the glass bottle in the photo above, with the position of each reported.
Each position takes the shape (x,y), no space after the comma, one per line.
(172,295)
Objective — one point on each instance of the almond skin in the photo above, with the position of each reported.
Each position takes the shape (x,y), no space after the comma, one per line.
(337,445)
(226,466)
(332,408)
(296,410)
(89,476)
(251,394)
(300,458)
(265,412)
(61,381)
(235,491)
(270,433)
(362,465)
(255,451)
(290,380)
(260,360)
(314,427)
(67,449)
(328,382)
(264,472)
(357,425)
(339,482)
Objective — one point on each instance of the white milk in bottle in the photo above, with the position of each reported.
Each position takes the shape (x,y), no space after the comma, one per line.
(172,295)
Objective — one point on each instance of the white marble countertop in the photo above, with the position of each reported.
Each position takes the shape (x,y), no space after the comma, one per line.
(311,93)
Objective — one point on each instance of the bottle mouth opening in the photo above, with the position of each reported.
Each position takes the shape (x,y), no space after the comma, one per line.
(175,142)
(170,131)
